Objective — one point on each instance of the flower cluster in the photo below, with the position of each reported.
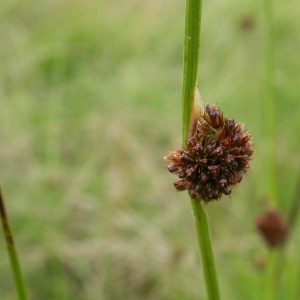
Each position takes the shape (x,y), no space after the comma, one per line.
(273,228)
(214,159)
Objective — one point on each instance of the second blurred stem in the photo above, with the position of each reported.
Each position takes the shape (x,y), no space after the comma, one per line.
(270,137)
(269,105)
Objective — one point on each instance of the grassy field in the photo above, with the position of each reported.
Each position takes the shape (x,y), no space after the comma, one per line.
(91,103)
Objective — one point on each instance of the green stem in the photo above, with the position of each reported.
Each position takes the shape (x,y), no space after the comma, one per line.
(272,274)
(269,109)
(206,251)
(189,109)
(269,106)
(294,210)
(12,252)
(296,286)
(190,63)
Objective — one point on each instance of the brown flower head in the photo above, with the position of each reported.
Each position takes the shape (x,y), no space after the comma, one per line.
(273,227)
(247,22)
(214,159)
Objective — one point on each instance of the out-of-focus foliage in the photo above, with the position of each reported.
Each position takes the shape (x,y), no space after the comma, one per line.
(90,104)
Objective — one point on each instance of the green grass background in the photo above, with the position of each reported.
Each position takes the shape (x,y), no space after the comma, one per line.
(90,104)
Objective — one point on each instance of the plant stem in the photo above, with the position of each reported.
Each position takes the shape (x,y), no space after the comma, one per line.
(272,274)
(12,252)
(269,115)
(294,210)
(269,106)
(206,251)
(296,286)
(190,63)
(189,110)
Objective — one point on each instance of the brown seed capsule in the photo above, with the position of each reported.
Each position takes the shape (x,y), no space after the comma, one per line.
(180,185)
(214,159)
(273,228)
(214,115)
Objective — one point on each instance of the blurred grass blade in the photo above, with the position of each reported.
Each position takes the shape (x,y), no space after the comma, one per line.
(295,207)
(269,115)
(269,105)
(272,274)
(12,252)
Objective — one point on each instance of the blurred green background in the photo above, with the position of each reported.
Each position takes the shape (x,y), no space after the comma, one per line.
(90,104)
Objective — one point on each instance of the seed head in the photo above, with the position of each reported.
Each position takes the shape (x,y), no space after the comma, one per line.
(214,159)
(273,228)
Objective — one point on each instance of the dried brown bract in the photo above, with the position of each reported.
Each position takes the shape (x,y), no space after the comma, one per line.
(214,159)
(273,228)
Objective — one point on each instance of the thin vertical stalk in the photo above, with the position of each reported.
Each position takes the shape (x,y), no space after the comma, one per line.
(12,252)
(296,286)
(295,208)
(206,250)
(269,106)
(190,62)
(272,274)
(269,116)
(189,95)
